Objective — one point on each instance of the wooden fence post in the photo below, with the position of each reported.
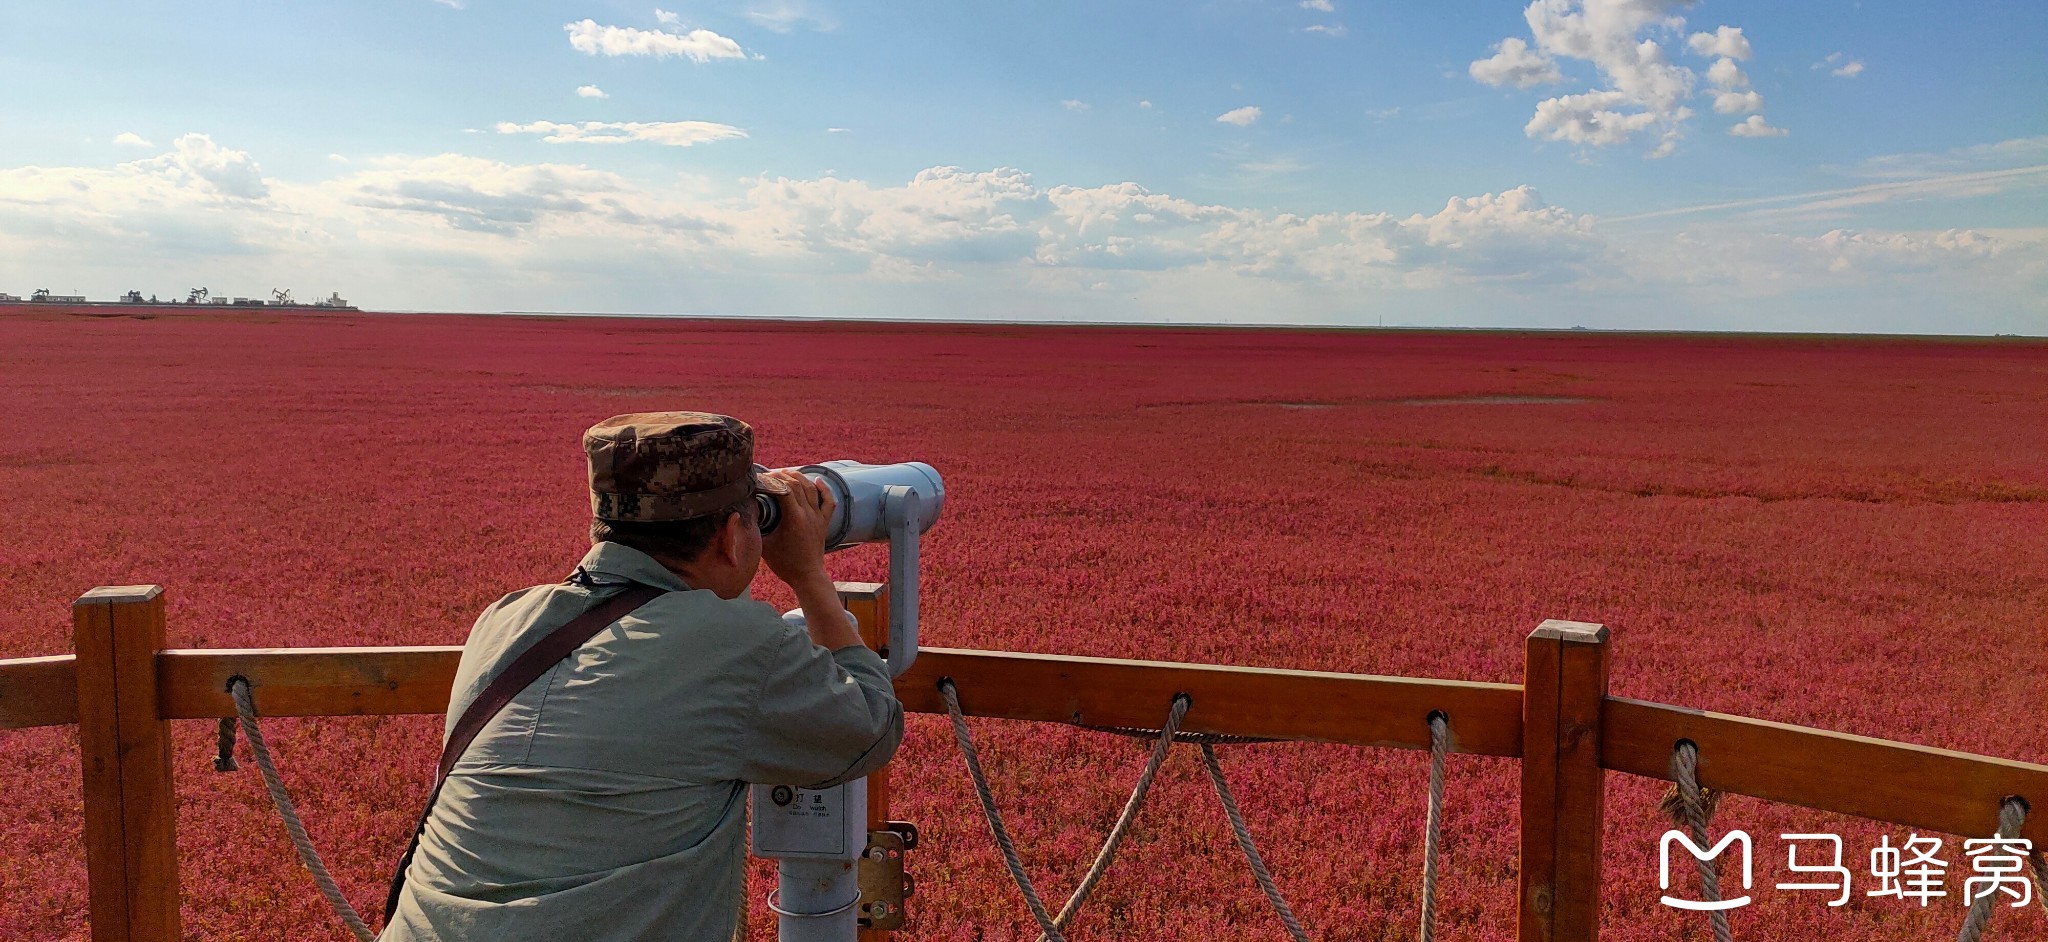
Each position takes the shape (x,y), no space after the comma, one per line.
(1563,686)
(869,603)
(124,746)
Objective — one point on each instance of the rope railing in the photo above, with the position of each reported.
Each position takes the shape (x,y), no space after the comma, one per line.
(1164,737)
(995,816)
(1694,808)
(1251,851)
(1432,838)
(245,705)
(1584,733)
(1111,844)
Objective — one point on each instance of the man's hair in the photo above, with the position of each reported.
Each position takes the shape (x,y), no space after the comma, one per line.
(669,541)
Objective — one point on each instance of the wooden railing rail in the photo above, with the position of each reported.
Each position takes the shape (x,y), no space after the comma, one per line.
(1561,723)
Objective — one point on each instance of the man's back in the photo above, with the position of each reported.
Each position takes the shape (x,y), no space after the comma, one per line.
(607,799)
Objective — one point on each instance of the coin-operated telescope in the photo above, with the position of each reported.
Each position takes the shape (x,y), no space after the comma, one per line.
(818,836)
(893,502)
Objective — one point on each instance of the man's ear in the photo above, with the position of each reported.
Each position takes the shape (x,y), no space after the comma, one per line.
(728,542)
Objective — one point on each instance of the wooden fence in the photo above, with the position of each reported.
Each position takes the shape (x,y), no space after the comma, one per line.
(123,688)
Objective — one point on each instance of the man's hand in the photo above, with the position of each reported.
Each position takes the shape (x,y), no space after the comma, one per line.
(795,552)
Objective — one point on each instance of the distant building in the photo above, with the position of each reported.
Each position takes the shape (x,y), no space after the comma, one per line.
(65,298)
(4,296)
(333,300)
(132,297)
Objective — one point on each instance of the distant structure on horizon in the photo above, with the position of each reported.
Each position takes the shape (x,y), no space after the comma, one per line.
(280,297)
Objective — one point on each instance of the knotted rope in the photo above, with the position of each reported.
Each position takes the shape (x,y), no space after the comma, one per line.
(2011,814)
(1693,808)
(245,706)
(1432,839)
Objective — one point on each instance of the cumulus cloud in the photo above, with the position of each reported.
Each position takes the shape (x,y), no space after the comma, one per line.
(697,45)
(196,157)
(1642,93)
(1724,73)
(1594,119)
(1320,6)
(1733,102)
(1512,63)
(667,18)
(1756,126)
(1849,69)
(1242,117)
(131,139)
(590,91)
(671,133)
(1726,41)
(1074,104)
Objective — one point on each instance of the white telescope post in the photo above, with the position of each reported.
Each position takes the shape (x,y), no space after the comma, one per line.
(816,836)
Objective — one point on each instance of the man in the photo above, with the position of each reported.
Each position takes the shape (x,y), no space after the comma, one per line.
(606,800)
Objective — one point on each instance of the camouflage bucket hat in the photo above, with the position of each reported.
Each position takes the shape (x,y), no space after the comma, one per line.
(652,466)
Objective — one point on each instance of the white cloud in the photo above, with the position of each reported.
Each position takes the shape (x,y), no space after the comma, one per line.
(1074,104)
(1724,73)
(1592,119)
(1727,41)
(590,91)
(667,18)
(1742,102)
(1321,6)
(461,232)
(1334,32)
(1513,64)
(698,45)
(195,157)
(671,133)
(453,4)
(1145,103)
(837,130)
(1755,126)
(1242,117)
(131,139)
(784,16)
(1642,92)
(1850,69)
(337,158)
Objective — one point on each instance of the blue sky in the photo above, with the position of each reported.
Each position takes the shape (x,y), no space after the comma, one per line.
(1502,164)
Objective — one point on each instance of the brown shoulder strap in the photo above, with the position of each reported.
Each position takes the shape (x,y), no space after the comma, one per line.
(517,676)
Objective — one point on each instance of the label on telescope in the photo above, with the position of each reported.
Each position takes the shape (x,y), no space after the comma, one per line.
(810,822)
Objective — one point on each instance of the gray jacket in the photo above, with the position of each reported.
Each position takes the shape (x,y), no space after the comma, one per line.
(607,801)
